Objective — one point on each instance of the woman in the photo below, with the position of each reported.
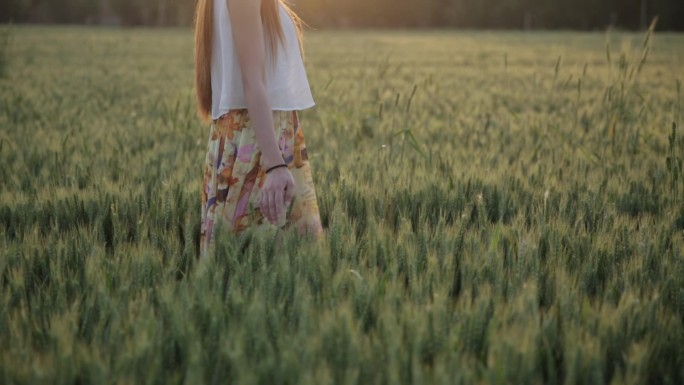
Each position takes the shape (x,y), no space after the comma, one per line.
(251,82)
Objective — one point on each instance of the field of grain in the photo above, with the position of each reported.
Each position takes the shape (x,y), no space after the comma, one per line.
(500,208)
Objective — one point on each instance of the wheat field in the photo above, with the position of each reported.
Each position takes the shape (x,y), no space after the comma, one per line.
(500,208)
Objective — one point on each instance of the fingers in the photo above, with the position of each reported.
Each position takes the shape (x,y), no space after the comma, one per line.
(279,205)
(266,204)
(277,195)
(289,192)
(272,206)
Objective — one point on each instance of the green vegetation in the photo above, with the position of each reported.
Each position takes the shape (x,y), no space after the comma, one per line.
(500,208)
(5,39)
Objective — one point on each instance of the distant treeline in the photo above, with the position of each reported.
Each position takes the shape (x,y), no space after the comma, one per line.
(320,14)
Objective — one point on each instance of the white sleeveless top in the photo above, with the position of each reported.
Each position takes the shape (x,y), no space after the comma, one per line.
(286,82)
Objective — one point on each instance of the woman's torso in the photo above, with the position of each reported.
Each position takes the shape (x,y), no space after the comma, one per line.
(286,81)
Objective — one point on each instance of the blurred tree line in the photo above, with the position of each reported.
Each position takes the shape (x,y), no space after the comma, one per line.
(495,14)
(125,12)
(490,14)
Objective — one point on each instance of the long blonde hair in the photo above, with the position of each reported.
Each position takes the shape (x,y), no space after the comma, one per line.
(204,29)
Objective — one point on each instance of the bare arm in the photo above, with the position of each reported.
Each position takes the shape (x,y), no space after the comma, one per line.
(250,46)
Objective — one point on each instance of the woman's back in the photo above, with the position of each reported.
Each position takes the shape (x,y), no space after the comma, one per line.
(288,87)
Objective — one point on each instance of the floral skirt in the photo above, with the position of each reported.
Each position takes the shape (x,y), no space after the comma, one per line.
(234,175)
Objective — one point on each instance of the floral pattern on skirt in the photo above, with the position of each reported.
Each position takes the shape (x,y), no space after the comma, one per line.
(234,174)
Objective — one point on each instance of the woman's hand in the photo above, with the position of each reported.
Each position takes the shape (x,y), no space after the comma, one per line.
(276,194)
